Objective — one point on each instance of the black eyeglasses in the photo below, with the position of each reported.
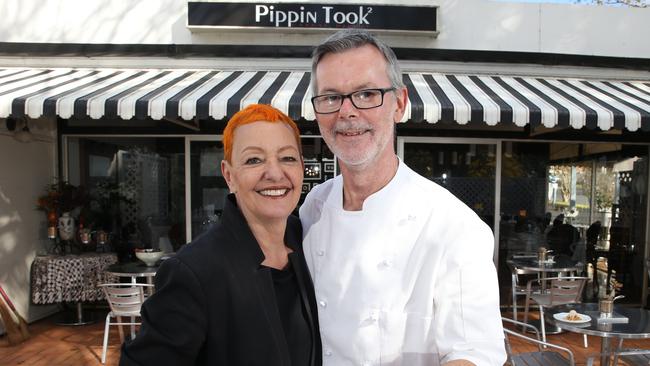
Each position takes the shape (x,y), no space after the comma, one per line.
(361,99)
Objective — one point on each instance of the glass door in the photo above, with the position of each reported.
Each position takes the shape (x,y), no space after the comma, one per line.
(467,168)
(208,187)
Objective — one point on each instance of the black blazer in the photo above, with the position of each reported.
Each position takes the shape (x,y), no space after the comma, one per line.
(215,305)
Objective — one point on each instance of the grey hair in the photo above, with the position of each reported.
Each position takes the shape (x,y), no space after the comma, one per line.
(352,38)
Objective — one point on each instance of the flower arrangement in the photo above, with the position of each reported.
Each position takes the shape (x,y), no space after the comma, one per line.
(60,197)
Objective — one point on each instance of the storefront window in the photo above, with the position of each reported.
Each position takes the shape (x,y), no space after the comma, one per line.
(135,191)
(583,201)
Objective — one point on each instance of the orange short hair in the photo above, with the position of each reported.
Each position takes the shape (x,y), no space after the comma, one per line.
(256,113)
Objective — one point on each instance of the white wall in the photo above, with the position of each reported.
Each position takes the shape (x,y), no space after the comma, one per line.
(463,24)
(25,169)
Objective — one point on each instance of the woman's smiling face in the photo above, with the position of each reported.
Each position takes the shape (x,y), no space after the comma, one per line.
(265,170)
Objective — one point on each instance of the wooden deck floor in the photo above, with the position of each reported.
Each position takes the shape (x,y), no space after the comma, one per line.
(52,344)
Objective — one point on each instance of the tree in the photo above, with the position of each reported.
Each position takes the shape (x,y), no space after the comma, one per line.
(631,3)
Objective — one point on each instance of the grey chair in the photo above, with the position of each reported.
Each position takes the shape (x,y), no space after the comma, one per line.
(631,357)
(558,291)
(547,354)
(519,285)
(636,357)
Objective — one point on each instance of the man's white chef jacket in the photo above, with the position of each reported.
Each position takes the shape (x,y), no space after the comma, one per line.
(409,280)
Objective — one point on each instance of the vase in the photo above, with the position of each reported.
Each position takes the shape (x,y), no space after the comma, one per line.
(66,226)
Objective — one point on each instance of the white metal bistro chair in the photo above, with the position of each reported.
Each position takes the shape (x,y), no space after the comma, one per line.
(559,291)
(551,355)
(125,300)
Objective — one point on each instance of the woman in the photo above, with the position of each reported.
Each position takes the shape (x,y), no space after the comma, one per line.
(241,293)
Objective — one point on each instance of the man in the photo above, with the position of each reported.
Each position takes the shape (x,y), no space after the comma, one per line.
(402,269)
(562,237)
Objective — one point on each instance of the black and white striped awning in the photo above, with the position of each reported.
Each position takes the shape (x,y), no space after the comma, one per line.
(190,94)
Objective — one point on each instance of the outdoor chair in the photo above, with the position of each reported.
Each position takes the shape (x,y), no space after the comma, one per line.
(547,354)
(558,291)
(124,300)
(519,287)
(635,356)
(631,357)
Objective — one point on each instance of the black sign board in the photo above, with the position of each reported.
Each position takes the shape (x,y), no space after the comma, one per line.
(304,16)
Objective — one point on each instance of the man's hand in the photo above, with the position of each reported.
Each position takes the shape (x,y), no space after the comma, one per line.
(459,363)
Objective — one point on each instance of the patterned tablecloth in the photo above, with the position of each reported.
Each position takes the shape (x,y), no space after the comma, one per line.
(70,278)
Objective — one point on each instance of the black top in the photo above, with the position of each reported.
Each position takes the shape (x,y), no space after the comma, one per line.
(292,315)
(561,237)
(215,304)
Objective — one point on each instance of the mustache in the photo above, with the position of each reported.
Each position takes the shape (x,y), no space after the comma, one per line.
(343,126)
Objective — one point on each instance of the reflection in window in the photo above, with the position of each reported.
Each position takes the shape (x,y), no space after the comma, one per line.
(135,191)
(569,192)
(585,201)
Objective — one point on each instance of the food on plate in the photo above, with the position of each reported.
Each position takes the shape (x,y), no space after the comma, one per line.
(573,316)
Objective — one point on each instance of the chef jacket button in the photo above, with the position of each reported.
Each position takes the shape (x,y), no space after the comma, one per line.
(323,303)
(385,263)
(320,253)
(328,353)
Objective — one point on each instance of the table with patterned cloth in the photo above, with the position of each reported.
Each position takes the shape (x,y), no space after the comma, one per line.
(70,278)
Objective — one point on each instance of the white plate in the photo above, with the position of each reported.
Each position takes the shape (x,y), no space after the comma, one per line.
(562,317)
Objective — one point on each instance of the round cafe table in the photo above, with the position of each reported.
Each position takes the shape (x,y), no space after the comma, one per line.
(133,270)
(560,265)
(636,327)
